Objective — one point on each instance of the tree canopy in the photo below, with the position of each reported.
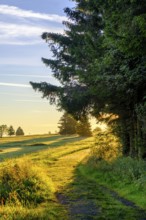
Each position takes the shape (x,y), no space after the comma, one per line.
(67,125)
(3,130)
(100,61)
(19,131)
(84,127)
(11,131)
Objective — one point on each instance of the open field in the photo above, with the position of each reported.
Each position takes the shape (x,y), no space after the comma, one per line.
(19,146)
(47,178)
(33,158)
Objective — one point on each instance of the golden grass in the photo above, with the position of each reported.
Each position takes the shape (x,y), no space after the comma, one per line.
(58,164)
(22,138)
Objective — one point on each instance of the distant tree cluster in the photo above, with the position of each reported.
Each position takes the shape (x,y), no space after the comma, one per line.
(10,131)
(68,125)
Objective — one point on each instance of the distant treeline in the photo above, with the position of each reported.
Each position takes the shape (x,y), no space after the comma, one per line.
(10,131)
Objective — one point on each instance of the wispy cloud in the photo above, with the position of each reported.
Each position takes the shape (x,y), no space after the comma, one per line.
(22,61)
(26,75)
(24,95)
(24,30)
(24,27)
(15,11)
(23,34)
(31,100)
(14,85)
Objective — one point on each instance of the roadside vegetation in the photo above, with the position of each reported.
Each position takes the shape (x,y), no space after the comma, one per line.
(71,177)
(108,167)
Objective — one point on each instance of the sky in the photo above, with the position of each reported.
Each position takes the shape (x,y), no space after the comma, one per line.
(21,48)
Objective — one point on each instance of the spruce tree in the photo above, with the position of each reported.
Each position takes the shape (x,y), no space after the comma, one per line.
(67,125)
(19,131)
(100,63)
(11,131)
(84,127)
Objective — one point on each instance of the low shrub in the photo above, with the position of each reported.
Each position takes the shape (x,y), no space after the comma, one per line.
(24,183)
(106,147)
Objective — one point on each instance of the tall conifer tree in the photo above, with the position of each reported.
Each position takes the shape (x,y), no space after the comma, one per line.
(100,62)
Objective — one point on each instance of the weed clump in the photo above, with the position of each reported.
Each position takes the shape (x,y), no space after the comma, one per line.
(107,146)
(23,183)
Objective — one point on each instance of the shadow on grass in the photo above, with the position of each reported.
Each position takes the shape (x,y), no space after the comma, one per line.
(86,200)
(34,145)
(30,141)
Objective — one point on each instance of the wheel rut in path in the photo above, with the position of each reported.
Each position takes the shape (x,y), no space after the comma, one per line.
(86,200)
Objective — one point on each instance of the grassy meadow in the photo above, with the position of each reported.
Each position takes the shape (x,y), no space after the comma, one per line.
(53,177)
(19,146)
(28,178)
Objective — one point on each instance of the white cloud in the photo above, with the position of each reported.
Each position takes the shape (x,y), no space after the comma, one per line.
(7,41)
(18,61)
(23,34)
(15,85)
(24,95)
(23,30)
(15,11)
(26,75)
(31,100)
(25,27)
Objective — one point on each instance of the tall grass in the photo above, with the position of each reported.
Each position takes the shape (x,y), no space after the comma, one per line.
(123,170)
(107,166)
(21,182)
(26,191)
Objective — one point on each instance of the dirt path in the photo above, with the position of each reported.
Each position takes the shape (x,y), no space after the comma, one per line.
(84,199)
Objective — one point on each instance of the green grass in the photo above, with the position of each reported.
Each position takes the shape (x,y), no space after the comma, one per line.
(63,177)
(22,182)
(29,181)
(86,190)
(125,175)
(19,146)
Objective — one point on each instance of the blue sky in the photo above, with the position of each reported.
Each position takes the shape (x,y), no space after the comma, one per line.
(21,24)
